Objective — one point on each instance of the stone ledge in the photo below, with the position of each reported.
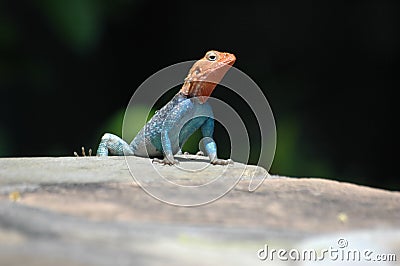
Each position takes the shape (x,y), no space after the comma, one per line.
(86,211)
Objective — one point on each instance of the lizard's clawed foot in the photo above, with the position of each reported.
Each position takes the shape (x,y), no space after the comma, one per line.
(199,153)
(165,161)
(83,152)
(221,162)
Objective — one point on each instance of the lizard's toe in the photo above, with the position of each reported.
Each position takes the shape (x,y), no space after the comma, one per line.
(165,161)
(83,152)
(221,162)
(191,157)
(200,153)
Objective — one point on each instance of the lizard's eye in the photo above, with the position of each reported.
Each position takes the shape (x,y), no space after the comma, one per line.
(211,56)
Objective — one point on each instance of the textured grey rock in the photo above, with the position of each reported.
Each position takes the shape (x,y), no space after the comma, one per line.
(89,211)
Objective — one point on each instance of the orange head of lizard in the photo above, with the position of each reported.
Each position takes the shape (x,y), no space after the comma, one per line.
(206,73)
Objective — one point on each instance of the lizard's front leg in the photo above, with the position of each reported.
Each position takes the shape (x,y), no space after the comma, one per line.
(167,150)
(113,145)
(209,144)
(211,150)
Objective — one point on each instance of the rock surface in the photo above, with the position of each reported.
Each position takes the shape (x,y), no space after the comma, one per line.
(90,211)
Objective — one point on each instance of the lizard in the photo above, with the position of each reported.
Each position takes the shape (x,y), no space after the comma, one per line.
(173,124)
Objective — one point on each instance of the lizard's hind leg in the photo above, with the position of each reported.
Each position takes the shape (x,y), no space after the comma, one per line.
(113,145)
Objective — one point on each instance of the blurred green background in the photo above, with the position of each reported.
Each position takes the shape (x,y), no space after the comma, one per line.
(69,67)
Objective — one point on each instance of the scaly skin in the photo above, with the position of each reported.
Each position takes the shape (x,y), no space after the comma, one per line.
(173,124)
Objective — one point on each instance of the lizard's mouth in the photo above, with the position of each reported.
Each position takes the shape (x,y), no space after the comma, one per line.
(218,70)
(207,73)
(228,59)
(208,83)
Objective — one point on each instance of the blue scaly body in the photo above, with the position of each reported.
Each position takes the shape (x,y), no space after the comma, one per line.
(166,131)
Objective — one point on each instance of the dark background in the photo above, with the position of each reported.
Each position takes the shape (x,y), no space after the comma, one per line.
(68,69)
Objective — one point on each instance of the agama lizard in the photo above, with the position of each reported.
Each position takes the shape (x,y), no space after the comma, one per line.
(173,124)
